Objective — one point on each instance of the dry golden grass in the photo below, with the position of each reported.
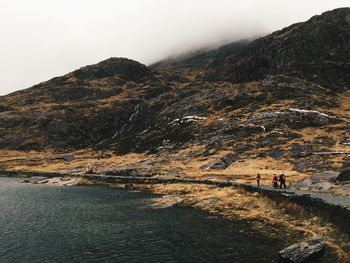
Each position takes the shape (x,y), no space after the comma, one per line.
(187,163)
(344,105)
(48,161)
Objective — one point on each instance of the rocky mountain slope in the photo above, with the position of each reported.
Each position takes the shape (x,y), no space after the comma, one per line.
(280,102)
(318,51)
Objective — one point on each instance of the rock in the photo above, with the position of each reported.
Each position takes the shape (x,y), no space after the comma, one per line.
(61,181)
(45,181)
(26,181)
(166,201)
(187,119)
(129,171)
(301,165)
(346,163)
(344,176)
(221,163)
(206,203)
(293,118)
(345,141)
(300,150)
(245,130)
(304,184)
(323,186)
(323,181)
(324,141)
(346,188)
(129,186)
(328,176)
(11,119)
(303,251)
(282,89)
(276,153)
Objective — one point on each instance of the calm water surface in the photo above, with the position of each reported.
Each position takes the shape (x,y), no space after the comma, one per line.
(41,223)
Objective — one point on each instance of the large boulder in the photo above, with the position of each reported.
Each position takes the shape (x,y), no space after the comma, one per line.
(344,176)
(326,176)
(322,181)
(304,184)
(303,251)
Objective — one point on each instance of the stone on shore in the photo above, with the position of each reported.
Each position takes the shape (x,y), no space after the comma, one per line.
(166,201)
(303,251)
(60,181)
(26,181)
(344,177)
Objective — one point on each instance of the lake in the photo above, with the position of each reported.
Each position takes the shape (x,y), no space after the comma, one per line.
(41,223)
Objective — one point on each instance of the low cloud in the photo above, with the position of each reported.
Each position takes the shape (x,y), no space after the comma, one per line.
(43,39)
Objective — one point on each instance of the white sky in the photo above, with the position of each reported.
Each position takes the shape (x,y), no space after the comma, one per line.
(41,39)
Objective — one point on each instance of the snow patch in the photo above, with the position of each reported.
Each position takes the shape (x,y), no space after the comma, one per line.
(187,119)
(309,111)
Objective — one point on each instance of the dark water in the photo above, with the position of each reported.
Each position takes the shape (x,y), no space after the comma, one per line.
(96,224)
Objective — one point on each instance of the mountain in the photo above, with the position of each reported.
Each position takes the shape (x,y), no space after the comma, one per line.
(281,100)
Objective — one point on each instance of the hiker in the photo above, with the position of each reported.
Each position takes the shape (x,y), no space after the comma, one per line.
(258,177)
(275,181)
(283,181)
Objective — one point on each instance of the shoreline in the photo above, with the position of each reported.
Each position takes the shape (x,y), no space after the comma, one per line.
(306,198)
(265,212)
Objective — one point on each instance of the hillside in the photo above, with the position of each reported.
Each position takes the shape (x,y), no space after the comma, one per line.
(280,102)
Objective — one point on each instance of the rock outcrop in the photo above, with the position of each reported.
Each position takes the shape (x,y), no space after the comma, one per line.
(318,50)
(319,182)
(222,163)
(293,118)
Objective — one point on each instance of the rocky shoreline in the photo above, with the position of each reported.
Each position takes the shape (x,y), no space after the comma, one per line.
(313,200)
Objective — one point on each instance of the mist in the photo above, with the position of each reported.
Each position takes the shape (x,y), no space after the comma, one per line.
(43,39)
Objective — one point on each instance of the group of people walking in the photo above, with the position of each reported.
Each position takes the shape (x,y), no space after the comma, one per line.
(277,181)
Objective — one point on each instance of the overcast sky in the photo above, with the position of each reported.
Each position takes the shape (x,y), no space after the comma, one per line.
(41,39)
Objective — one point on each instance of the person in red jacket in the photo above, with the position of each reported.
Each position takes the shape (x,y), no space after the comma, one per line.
(258,177)
(275,181)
